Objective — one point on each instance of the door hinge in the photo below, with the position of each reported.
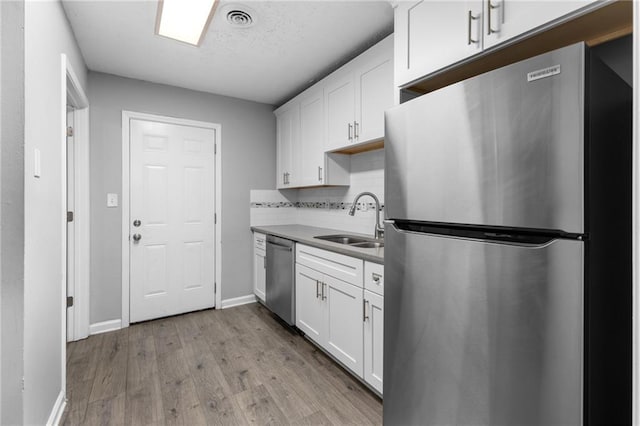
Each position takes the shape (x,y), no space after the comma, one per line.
(215,218)
(69,216)
(69,131)
(215,148)
(69,301)
(215,287)
(22,383)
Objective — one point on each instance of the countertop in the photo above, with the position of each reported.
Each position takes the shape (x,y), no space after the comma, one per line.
(304,234)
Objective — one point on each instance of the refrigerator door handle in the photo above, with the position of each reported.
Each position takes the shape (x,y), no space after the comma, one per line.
(513,237)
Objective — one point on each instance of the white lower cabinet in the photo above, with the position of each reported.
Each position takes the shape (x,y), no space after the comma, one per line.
(373,339)
(344,323)
(336,312)
(259,265)
(329,312)
(310,312)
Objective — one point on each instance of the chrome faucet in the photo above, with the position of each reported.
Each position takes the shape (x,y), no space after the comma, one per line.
(378,232)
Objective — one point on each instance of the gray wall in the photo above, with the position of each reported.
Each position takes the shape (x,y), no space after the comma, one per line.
(11,210)
(47,35)
(248,162)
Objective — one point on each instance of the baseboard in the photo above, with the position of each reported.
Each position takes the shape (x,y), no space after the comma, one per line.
(237,301)
(58,410)
(104,326)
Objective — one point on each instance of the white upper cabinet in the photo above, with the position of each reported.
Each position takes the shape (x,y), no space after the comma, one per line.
(311,144)
(357,96)
(345,108)
(341,109)
(374,93)
(288,134)
(433,34)
(506,19)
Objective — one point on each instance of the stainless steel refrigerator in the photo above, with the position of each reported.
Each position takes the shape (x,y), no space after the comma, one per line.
(508,248)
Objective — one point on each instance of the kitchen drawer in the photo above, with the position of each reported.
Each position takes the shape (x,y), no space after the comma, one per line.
(345,268)
(259,241)
(374,277)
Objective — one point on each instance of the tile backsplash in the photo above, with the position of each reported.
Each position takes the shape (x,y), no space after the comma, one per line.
(326,207)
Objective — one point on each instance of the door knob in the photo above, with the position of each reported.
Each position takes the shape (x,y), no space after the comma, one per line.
(137,237)
(137,223)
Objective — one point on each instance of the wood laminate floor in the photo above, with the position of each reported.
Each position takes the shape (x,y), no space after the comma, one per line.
(234,366)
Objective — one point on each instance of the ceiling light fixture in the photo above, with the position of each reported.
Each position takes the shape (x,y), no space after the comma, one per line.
(185,21)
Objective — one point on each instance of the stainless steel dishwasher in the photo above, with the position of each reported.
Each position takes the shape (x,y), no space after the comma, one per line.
(280,295)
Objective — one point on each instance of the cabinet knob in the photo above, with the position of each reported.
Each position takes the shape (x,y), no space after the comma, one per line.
(376,277)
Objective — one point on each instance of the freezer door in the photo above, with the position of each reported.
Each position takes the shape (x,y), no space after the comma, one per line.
(501,149)
(480,333)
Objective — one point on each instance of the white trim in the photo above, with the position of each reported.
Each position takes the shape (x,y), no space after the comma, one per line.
(105,326)
(217,129)
(636,216)
(218,225)
(58,410)
(73,91)
(64,66)
(237,301)
(82,213)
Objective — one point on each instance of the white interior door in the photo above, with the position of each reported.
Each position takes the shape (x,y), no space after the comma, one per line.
(172,197)
(70,224)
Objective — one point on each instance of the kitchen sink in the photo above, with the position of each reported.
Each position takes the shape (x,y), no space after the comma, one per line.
(352,240)
(369,244)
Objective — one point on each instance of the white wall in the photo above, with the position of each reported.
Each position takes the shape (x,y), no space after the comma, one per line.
(47,35)
(11,210)
(248,161)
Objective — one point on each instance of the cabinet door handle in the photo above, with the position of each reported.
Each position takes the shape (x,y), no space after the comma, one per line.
(356,127)
(471,18)
(490,7)
(324,296)
(319,174)
(317,289)
(349,129)
(365,317)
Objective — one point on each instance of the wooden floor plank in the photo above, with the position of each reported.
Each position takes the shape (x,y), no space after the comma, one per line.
(234,366)
(111,372)
(259,407)
(315,419)
(85,358)
(179,396)
(144,395)
(105,412)
(165,334)
(214,393)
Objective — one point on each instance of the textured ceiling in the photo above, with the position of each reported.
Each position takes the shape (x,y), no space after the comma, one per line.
(291,45)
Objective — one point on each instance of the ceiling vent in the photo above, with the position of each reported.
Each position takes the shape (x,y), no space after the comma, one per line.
(240,18)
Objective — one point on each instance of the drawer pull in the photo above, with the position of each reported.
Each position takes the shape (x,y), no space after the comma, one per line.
(376,277)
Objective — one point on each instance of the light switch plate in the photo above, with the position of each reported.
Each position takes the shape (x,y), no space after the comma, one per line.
(37,165)
(112,200)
